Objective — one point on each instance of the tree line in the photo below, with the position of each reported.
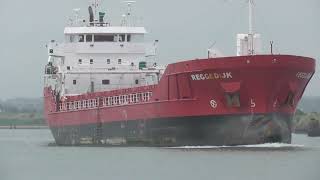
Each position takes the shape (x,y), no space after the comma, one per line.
(22,105)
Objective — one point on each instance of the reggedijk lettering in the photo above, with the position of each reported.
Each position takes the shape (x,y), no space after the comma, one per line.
(211,76)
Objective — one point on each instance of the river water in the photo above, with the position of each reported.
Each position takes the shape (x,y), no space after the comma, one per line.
(25,155)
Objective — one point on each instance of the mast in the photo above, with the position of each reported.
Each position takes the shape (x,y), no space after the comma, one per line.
(251,3)
(251,30)
(95,5)
(128,19)
(76,15)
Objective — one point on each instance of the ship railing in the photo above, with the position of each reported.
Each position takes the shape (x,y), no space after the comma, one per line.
(126,99)
(79,105)
(110,101)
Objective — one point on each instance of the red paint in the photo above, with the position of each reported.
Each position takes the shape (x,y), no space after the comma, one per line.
(230,87)
(263,82)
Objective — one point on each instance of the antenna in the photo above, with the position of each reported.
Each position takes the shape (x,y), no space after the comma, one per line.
(251,16)
(251,31)
(76,15)
(129,6)
(271,47)
(155,44)
(209,49)
(124,20)
(95,4)
(129,12)
(248,43)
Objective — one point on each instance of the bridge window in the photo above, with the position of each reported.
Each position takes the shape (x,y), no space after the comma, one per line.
(91,61)
(122,37)
(104,38)
(68,68)
(80,61)
(137,81)
(119,61)
(81,38)
(137,38)
(71,38)
(108,61)
(74,82)
(128,38)
(88,38)
(105,81)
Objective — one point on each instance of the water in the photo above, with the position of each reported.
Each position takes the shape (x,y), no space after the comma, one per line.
(25,155)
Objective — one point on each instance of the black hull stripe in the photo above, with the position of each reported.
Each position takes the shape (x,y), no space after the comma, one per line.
(210,130)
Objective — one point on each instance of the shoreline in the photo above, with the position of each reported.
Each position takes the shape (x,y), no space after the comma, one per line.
(24,127)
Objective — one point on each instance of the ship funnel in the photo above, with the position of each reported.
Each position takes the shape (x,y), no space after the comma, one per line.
(101,16)
(91,18)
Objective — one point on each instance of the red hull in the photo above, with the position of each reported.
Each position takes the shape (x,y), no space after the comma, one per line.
(261,84)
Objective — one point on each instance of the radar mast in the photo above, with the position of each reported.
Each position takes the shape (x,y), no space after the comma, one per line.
(251,50)
(95,4)
(127,20)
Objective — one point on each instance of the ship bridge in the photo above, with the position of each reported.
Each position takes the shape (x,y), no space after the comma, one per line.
(105,30)
(104,34)
(96,56)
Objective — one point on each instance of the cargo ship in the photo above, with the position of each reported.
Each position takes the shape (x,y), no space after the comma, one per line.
(104,86)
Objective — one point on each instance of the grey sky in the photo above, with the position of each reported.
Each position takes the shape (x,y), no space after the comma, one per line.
(185,29)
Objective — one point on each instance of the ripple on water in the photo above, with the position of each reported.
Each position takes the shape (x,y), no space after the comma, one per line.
(254,147)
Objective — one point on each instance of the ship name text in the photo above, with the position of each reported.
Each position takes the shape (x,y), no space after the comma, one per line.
(303,75)
(209,76)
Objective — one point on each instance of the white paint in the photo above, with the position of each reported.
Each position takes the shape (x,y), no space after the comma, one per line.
(88,62)
(251,16)
(105,30)
(252,103)
(248,46)
(213,104)
(303,75)
(250,43)
(275,103)
(266,145)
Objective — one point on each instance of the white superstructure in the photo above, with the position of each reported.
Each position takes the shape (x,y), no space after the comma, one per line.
(96,56)
(249,44)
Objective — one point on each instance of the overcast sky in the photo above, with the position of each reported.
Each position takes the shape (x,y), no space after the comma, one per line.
(185,29)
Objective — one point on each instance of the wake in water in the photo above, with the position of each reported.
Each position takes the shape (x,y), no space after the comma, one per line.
(254,147)
(272,145)
(266,145)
